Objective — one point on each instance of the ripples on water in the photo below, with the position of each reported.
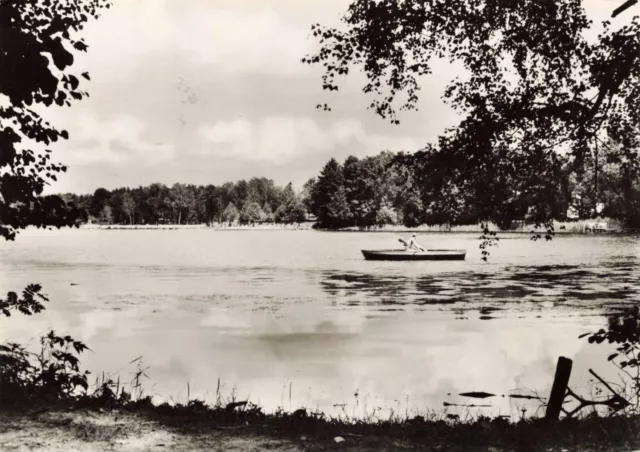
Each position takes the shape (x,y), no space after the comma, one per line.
(609,286)
(265,310)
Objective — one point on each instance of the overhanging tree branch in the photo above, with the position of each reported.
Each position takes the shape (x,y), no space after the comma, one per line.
(626,5)
(520,133)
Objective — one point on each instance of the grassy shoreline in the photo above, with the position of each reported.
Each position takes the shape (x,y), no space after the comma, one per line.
(106,416)
(142,426)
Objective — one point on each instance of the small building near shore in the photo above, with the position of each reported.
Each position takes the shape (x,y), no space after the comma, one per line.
(596,226)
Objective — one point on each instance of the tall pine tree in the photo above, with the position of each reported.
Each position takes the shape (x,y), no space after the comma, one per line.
(330,181)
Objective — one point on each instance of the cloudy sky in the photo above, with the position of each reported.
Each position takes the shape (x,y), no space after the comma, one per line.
(206,91)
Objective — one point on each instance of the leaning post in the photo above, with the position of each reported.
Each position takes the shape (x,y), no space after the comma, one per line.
(559,388)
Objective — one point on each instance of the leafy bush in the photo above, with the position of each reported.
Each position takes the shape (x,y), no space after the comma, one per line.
(386,215)
(51,374)
(624,331)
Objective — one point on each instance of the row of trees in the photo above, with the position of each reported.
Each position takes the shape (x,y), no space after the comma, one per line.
(247,202)
(385,189)
(421,189)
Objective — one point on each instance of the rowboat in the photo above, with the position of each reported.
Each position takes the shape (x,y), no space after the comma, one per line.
(402,255)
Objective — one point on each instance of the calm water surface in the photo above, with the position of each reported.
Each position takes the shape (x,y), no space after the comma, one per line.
(298,318)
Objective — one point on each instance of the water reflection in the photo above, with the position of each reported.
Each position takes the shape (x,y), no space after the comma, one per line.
(609,286)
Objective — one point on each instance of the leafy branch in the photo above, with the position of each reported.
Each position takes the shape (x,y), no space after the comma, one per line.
(53,373)
(30,302)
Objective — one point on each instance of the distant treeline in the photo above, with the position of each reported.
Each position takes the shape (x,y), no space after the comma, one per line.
(385,189)
(362,192)
(246,202)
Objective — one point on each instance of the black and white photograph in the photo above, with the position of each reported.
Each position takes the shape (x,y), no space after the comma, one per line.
(319,225)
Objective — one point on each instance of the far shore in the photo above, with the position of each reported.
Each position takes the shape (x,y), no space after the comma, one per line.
(575,227)
(217,227)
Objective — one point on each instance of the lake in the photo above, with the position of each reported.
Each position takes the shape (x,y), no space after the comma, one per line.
(299,319)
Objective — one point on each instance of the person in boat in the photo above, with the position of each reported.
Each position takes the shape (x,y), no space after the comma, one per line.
(411,244)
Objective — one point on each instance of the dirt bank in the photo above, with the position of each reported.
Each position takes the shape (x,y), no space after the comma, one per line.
(101,430)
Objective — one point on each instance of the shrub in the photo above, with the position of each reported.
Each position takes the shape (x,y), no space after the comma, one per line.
(51,374)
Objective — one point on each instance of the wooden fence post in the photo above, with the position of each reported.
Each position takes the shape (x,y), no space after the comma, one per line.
(559,388)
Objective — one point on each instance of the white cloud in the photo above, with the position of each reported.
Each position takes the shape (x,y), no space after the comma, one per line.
(115,140)
(244,42)
(233,40)
(273,139)
(281,139)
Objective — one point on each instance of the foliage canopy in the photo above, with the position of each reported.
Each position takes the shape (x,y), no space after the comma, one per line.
(537,93)
(37,41)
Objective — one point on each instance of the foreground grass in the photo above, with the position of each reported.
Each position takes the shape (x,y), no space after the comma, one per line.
(145,427)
